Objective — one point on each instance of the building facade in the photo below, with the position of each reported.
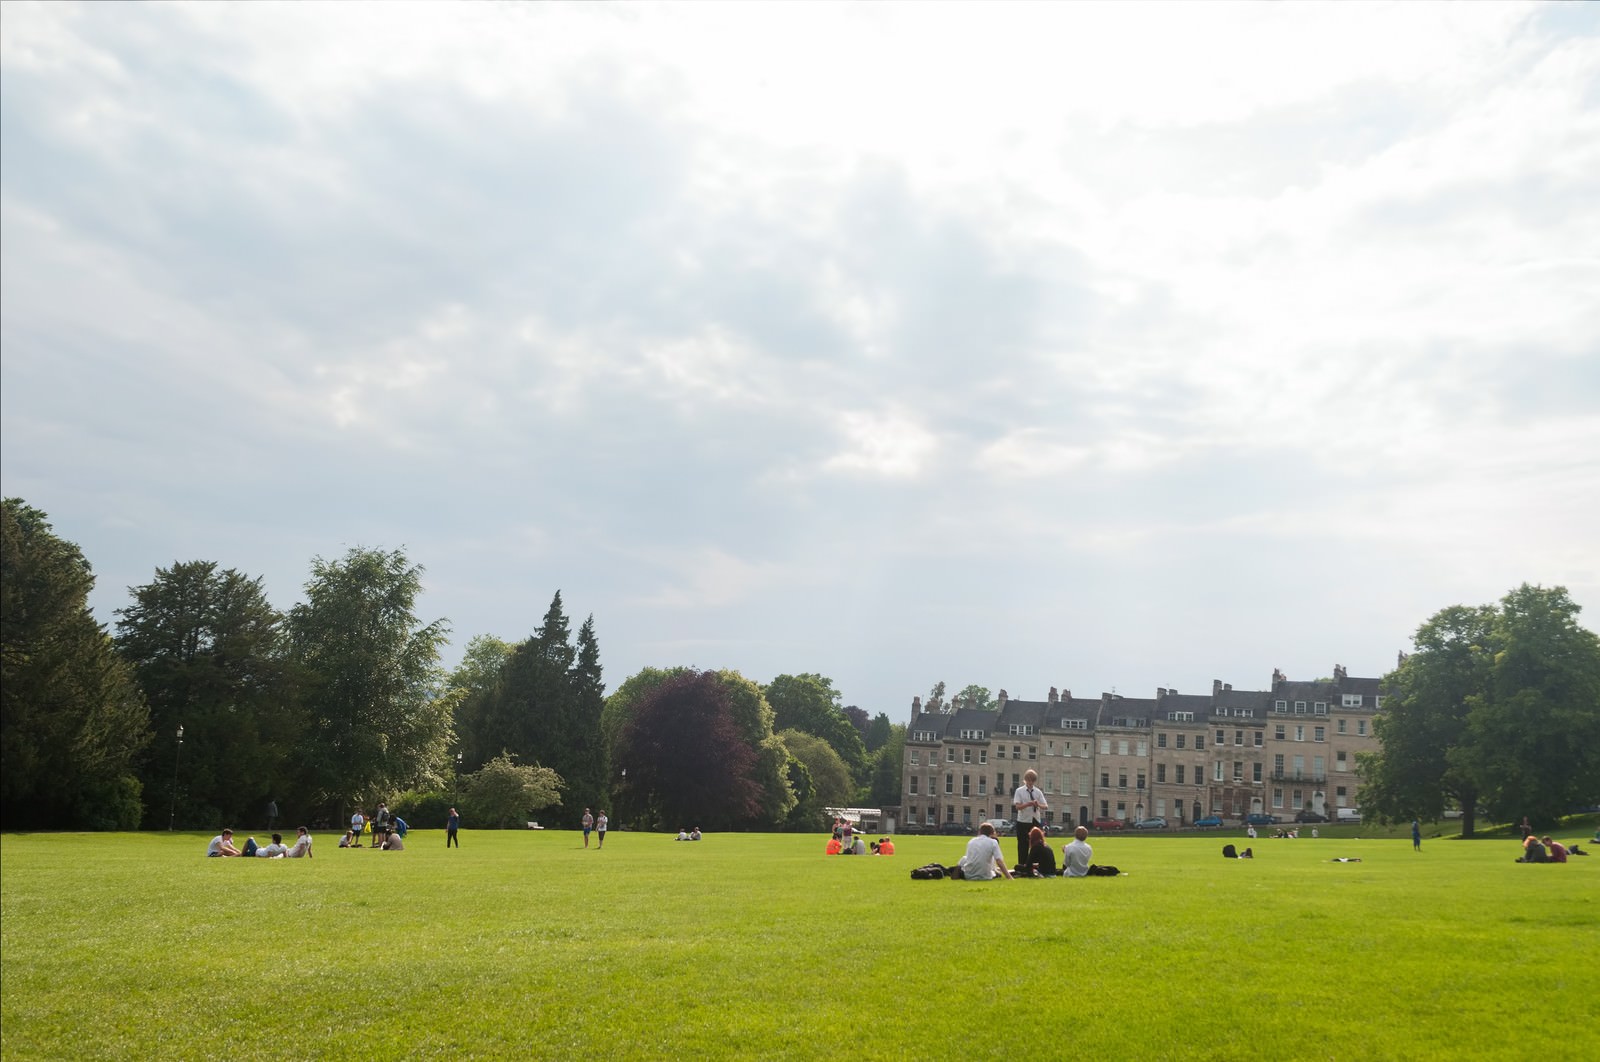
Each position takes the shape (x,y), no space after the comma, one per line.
(1181,757)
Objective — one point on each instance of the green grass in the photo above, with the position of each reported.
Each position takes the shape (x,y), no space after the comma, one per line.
(526,945)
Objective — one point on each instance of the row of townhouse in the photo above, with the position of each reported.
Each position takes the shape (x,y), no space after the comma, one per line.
(1178,756)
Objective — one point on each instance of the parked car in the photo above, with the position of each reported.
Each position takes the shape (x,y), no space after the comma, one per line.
(1108,824)
(957,827)
(1350,815)
(1002,827)
(1157,823)
(1310,816)
(1257,818)
(1210,822)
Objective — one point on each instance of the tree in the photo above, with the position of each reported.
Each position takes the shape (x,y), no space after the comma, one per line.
(370,671)
(878,732)
(686,757)
(831,783)
(975,697)
(72,721)
(209,654)
(887,766)
(810,703)
(504,794)
(1498,707)
(935,702)
(545,705)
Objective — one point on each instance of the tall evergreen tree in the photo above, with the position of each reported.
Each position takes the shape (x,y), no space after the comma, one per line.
(208,651)
(370,670)
(72,721)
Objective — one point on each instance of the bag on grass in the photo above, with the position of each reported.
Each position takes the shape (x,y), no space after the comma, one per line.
(930,872)
(1098,870)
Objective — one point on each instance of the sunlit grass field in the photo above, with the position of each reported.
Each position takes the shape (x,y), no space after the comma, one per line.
(527,945)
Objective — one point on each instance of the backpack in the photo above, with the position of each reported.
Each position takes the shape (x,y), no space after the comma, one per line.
(1096,870)
(931,872)
(1229,852)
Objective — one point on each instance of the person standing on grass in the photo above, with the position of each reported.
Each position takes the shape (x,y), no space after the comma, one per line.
(452,823)
(588,825)
(983,857)
(1029,806)
(600,823)
(1076,856)
(357,821)
(1416,835)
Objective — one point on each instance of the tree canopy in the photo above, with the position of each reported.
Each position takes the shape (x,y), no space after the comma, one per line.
(503,793)
(72,720)
(1497,709)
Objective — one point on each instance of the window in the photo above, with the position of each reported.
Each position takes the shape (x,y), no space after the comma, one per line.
(966,785)
(1074,724)
(949,755)
(1222,737)
(999,752)
(1319,733)
(1105,779)
(1178,771)
(1339,762)
(1351,700)
(1105,746)
(1299,707)
(983,755)
(1016,752)
(1277,732)
(1139,780)
(1258,737)
(1238,770)
(1161,741)
(1141,748)
(1033,752)
(1180,740)
(1217,774)
(1255,773)
(1299,733)
(925,735)
(972,735)
(1280,705)
(913,787)
(1122,748)
(1199,742)
(915,762)
(1181,717)
(1377,702)
(1020,729)
(1016,783)
(949,784)
(1299,766)
(1122,779)
(1320,708)
(1361,727)
(1317,767)
(1161,773)
(983,785)
(966,755)
(1299,798)
(1343,728)
(1049,782)
(1277,765)
(1238,737)
(1277,798)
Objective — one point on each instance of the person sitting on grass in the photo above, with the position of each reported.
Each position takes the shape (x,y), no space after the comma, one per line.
(348,840)
(301,846)
(250,847)
(885,846)
(221,845)
(1558,851)
(835,846)
(694,834)
(1077,854)
(392,842)
(1533,850)
(983,861)
(683,834)
(1041,857)
(276,850)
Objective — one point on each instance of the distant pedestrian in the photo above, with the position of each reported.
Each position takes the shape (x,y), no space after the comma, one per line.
(357,822)
(588,825)
(1526,827)
(1416,836)
(272,813)
(600,824)
(452,823)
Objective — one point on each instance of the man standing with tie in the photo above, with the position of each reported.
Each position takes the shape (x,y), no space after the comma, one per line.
(1030,806)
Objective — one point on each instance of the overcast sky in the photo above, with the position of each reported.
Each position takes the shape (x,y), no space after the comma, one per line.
(1042,345)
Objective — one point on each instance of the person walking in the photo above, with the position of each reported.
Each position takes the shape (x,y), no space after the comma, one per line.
(588,826)
(1029,807)
(1416,836)
(600,823)
(452,823)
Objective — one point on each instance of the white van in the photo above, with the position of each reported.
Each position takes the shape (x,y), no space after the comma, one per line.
(1349,815)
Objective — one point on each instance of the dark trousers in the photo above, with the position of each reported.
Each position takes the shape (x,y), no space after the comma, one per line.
(1021,829)
(450,838)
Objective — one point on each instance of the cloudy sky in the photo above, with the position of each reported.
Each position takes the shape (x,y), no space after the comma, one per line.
(1042,345)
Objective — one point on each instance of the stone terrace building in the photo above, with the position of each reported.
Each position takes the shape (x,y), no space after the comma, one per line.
(1179,756)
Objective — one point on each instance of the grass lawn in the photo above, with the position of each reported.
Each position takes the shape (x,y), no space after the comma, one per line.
(525,944)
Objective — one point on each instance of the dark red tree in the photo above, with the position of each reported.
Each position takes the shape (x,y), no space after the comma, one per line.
(687,762)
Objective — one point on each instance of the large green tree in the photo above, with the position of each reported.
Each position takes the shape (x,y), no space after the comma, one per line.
(831,782)
(544,706)
(72,721)
(370,673)
(504,794)
(810,703)
(1498,709)
(209,654)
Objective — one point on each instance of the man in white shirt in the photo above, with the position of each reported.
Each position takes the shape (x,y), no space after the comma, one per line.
(357,821)
(302,845)
(276,850)
(983,857)
(1075,855)
(1029,804)
(221,845)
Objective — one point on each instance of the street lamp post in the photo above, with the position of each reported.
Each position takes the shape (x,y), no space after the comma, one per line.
(172,817)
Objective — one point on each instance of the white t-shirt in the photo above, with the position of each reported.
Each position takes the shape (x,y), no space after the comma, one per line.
(601,823)
(1075,857)
(215,847)
(979,862)
(272,851)
(1022,796)
(302,847)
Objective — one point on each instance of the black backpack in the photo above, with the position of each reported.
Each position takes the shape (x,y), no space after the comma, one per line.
(930,872)
(1097,870)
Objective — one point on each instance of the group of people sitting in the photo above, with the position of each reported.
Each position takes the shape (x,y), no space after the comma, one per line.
(846,840)
(983,861)
(222,846)
(688,835)
(388,831)
(1536,849)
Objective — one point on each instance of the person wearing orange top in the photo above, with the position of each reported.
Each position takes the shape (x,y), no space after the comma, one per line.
(886,847)
(834,847)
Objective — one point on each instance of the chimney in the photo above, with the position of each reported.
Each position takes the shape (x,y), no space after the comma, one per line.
(1066,695)
(1161,691)
(1278,678)
(1216,687)
(1003,699)
(1055,698)
(1227,685)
